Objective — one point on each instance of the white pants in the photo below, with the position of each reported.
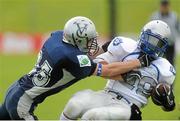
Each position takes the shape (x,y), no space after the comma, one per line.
(101,105)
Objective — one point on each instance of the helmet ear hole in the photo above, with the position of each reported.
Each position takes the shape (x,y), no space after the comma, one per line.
(79,41)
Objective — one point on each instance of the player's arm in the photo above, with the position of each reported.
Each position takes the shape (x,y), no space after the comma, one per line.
(117,77)
(117,68)
(162,94)
(113,70)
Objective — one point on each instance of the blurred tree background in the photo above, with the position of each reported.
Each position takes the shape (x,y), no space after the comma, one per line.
(48,15)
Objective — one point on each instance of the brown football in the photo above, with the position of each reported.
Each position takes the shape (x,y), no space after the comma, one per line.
(158,91)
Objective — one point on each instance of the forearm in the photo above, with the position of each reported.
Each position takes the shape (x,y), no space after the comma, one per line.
(117,78)
(117,68)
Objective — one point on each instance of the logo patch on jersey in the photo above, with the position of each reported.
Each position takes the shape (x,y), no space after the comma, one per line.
(84,60)
(117,41)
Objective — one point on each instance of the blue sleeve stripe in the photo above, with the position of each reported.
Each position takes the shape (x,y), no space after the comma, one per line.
(157,71)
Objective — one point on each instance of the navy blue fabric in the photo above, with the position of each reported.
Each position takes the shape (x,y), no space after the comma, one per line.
(4,115)
(11,101)
(60,56)
(8,110)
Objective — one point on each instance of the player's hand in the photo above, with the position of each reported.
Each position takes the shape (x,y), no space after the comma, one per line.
(168,104)
(163,96)
(145,59)
(131,75)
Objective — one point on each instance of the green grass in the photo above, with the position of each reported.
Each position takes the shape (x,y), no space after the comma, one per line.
(13,67)
(48,15)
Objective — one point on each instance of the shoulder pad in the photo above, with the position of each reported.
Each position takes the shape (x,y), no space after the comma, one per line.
(166,71)
(122,46)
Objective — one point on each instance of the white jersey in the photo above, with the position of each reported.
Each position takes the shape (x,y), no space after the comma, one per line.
(136,90)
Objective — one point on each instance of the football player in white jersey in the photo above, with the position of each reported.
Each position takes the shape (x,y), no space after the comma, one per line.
(123,99)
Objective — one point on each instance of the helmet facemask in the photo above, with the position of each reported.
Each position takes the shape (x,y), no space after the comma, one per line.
(92,46)
(153,44)
(89,46)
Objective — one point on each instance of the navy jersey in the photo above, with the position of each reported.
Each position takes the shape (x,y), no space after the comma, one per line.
(59,65)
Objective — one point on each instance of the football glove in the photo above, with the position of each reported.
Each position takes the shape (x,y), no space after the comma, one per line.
(145,59)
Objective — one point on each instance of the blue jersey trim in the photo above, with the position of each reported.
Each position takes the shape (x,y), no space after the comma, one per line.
(134,53)
(157,71)
(99,71)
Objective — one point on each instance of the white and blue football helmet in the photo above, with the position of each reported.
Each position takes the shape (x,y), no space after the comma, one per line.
(154,38)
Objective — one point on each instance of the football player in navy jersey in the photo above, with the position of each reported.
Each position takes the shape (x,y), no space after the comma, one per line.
(62,61)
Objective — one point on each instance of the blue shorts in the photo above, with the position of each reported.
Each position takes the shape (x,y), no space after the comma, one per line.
(17,105)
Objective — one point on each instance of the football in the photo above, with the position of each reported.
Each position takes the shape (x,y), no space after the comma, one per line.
(159,92)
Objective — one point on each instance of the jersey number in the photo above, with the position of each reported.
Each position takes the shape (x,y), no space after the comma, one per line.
(42,77)
(141,86)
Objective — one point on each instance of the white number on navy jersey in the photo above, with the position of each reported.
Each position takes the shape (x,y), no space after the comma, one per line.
(42,77)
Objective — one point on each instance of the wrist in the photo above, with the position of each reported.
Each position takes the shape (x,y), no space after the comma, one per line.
(139,64)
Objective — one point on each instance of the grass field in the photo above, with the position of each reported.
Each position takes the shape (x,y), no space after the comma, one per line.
(13,67)
(48,15)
